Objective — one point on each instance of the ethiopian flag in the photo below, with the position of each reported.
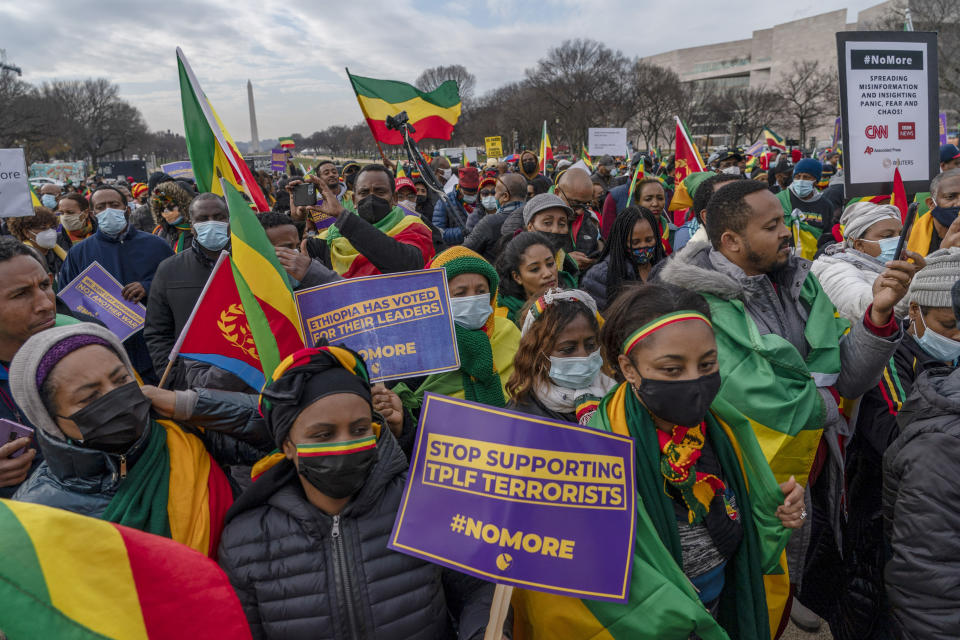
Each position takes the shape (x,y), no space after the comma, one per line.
(432,114)
(72,577)
(264,287)
(546,149)
(287,143)
(773,139)
(212,151)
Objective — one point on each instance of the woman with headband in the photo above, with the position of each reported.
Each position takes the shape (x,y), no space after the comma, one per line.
(306,546)
(697,542)
(558,369)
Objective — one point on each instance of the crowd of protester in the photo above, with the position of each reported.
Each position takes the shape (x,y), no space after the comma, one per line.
(565,288)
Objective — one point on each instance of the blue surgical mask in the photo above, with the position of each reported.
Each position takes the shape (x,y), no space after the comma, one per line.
(49,201)
(575,373)
(489,203)
(471,312)
(938,347)
(469,199)
(212,235)
(111,221)
(802,188)
(888,247)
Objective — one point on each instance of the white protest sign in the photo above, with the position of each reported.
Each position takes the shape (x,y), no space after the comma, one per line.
(15,199)
(889,107)
(607,142)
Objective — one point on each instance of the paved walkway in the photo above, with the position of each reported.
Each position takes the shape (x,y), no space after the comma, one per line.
(792,633)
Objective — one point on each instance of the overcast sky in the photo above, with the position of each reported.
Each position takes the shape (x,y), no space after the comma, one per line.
(295,52)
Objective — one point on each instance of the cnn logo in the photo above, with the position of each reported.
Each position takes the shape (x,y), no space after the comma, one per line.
(876,131)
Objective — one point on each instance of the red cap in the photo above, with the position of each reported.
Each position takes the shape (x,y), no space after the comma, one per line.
(404,182)
(469,178)
(488,181)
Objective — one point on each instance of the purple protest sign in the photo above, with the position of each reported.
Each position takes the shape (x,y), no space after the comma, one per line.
(278,160)
(520,500)
(943,128)
(96,293)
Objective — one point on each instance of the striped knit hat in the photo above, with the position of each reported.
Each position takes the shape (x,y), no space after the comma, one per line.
(458,260)
(931,285)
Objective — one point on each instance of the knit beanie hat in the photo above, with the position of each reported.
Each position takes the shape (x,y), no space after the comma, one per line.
(459,259)
(38,356)
(811,166)
(932,285)
(481,382)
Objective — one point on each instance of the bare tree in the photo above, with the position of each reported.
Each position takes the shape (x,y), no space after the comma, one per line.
(435,76)
(808,95)
(583,83)
(92,117)
(750,110)
(657,94)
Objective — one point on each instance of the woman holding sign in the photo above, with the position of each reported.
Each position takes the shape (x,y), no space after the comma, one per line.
(558,371)
(306,546)
(702,538)
(486,342)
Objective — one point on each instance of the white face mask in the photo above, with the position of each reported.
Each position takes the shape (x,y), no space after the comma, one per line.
(471,312)
(46,239)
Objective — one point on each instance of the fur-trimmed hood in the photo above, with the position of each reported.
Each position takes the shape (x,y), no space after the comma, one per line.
(698,268)
(167,192)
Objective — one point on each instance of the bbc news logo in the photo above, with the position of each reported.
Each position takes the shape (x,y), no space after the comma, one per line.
(906,130)
(876,131)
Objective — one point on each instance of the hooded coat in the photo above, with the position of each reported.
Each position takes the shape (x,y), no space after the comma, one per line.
(773,304)
(921,510)
(300,573)
(172,191)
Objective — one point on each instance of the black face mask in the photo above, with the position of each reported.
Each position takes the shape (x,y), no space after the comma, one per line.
(529,166)
(945,215)
(337,476)
(422,200)
(682,402)
(561,241)
(373,208)
(114,421)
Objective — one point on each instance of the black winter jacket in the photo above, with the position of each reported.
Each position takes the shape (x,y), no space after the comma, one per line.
(921,510)
(303,574)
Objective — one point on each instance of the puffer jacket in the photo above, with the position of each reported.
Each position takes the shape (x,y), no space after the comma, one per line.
(921,510)
(773,303)
(847,277)
(300,573)
(85,480)
(595,282)
(452,222)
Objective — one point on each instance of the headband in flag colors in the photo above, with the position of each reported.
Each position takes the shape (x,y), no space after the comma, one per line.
(317,449)
(660,323)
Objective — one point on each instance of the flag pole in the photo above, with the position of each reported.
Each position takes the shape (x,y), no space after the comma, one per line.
(366,117)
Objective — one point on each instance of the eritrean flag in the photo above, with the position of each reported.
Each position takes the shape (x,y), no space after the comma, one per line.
(70,577)
(688,158)
(217,331)
(432,114)
(213,154)
(263,285)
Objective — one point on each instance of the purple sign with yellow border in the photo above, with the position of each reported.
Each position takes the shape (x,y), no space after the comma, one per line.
(96,293)
(520,500)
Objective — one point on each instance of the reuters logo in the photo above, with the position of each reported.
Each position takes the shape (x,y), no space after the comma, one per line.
(887,163)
